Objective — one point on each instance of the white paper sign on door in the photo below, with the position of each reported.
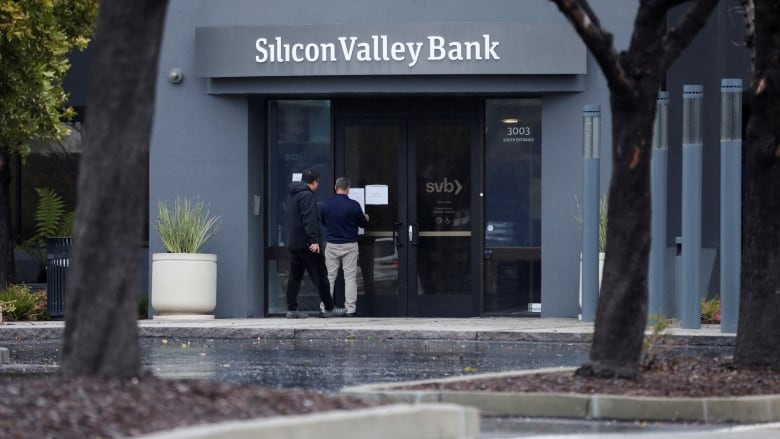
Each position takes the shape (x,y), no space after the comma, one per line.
(359,194)
(377,194)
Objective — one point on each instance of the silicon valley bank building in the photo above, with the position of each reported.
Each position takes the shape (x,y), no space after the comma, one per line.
(459,123)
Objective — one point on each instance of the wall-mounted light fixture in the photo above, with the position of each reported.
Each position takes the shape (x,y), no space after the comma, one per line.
(175,76)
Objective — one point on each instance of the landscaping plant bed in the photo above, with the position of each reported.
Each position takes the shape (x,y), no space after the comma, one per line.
(51,406)
(666,377)
(55,407)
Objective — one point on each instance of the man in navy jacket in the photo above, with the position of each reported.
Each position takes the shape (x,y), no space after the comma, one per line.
(304,243)
(342,216)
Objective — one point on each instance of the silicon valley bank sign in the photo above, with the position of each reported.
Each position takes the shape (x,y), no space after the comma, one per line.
(401,49)
(379,48)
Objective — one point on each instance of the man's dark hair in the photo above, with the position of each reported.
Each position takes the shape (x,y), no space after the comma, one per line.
(342,183)
(310,176)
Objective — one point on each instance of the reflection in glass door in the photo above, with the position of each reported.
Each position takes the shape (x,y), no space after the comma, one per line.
(415,255)
(371,157)
(513,187)
(441,216)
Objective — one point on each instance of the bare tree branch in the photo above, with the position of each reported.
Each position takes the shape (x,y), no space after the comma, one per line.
(749,10)
(680,36)
(665,5)
(599,42)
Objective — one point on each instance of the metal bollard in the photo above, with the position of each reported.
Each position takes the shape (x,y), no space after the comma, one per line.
(730,202)
(591,139)
(656,282)
(691,206)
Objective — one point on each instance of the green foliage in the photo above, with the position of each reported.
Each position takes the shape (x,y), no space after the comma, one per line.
(658,326)
(51,220)
(50,216)
(143,307)
(186,227)
(20,303)
(602,221)
(603,225)
(710,310)
(35,38)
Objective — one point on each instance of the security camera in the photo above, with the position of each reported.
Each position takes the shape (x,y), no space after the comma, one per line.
(175,76)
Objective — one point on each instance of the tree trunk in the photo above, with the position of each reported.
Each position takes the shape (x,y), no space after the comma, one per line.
(758,334)
(101,300)
(633,77)
(7,265)
(621,314)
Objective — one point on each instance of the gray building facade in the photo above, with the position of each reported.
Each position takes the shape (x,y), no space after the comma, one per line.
(459,124)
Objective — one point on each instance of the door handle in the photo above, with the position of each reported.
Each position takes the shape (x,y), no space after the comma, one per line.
(396,227)
(413,235)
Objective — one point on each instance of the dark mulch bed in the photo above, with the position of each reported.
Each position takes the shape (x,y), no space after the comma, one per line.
(672,377)
(54,407)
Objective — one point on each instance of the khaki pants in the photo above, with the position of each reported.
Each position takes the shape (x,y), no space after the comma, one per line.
(346,256)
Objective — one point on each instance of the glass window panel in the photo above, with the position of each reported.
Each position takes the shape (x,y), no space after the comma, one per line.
(444,208)
(371,157)
(299,137)
(513,185)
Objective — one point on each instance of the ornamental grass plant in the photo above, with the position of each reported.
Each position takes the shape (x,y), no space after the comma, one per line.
(186,226)
(602,221)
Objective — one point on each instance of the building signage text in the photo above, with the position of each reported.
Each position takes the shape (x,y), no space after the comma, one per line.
(368,49)
(378,48)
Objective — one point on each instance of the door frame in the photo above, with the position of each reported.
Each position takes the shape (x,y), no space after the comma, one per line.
(408,112)
(378,305)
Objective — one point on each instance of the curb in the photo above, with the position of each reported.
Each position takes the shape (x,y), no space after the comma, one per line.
(10,332)
(741,410)
(440,421)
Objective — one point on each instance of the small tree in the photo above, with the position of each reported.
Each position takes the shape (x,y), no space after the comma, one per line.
(634,78)
(35,38)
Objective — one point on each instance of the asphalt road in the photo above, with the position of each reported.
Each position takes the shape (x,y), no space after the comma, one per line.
(323,365)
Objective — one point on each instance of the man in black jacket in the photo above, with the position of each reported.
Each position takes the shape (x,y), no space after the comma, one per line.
(304,243)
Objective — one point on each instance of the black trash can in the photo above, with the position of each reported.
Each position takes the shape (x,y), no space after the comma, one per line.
(57,262)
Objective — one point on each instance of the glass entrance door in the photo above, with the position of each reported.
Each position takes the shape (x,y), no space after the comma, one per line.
(415,254)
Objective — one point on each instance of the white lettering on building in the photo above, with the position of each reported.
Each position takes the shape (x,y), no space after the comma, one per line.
(377,48)
(279,52)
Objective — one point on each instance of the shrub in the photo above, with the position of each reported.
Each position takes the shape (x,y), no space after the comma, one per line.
(20,303)
(658,325)
(710,310)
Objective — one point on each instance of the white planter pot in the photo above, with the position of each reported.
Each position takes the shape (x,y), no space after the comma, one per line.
(601,271)
(184,285)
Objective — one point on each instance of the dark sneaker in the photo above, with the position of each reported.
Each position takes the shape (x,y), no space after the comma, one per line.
(335,312)
(350,314)
(295,315)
